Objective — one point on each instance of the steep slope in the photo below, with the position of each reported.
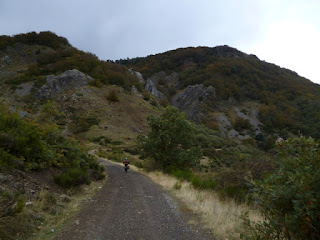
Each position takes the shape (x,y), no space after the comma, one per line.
(37,68)
(285,102)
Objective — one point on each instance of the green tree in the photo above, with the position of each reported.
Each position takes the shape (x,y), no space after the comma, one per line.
(171,140)
(290,198)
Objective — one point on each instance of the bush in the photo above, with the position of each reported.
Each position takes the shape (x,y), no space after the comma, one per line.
(203,184)
(72,177)
(96,83)
(146,95)
(289,198)
(113,96)
(184,174)
(241,124)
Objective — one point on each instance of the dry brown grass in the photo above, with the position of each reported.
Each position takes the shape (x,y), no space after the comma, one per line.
(222,217)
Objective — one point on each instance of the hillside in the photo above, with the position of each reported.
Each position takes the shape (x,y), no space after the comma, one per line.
(58,103)
(285,102)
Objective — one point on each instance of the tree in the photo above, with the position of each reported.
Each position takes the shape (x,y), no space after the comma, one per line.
(289,198)
(171,140)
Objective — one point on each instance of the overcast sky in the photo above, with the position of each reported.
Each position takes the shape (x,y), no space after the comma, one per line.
(284,32)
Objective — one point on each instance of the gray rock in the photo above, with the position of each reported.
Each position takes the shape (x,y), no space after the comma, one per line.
(77,222)
(225,126)
(253,119)
(24,89)
(192,101)
(139,75)
(70,79)
(151,88)
(6,60)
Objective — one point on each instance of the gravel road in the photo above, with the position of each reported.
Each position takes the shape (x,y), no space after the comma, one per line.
(130,206)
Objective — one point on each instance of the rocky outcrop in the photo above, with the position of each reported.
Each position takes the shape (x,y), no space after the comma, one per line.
(227,130)
(24,89)
(139,75)
(192,101)
(70,79)
(253,119)
(152,88)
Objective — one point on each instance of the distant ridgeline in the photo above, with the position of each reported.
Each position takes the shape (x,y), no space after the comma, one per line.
(47,38)
(288,102)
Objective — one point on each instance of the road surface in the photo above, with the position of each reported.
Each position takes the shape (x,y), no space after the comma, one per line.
(130,206)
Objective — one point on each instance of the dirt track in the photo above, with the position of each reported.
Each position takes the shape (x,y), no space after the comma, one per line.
(130,206)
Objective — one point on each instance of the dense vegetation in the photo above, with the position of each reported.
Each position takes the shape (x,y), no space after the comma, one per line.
(289,197)
(290,103)
(26,145)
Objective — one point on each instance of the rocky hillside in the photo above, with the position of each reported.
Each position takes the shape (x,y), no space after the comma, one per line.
(36,69)
(227,90)
(232,91)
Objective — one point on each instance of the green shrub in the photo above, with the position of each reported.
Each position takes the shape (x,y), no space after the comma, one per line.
(241,124)
(289,198)
(72,177)
(116,142)
(93,121)
(21,202)
(203,184)
(98,172)
(139,165)
(96,83)
(184,174)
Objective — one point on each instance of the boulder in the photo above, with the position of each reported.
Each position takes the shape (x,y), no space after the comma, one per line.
(70,79)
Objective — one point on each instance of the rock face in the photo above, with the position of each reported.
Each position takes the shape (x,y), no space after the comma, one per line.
(191,101)
(151,87)
(70,79)
(253,119)
(139,75)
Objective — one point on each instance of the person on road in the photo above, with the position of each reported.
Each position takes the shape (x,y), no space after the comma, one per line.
(126,163)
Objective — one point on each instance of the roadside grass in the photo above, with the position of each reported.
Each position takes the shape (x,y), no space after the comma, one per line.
(222,217)
(51,224)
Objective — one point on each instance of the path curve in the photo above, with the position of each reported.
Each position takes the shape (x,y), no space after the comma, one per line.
(130,206)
